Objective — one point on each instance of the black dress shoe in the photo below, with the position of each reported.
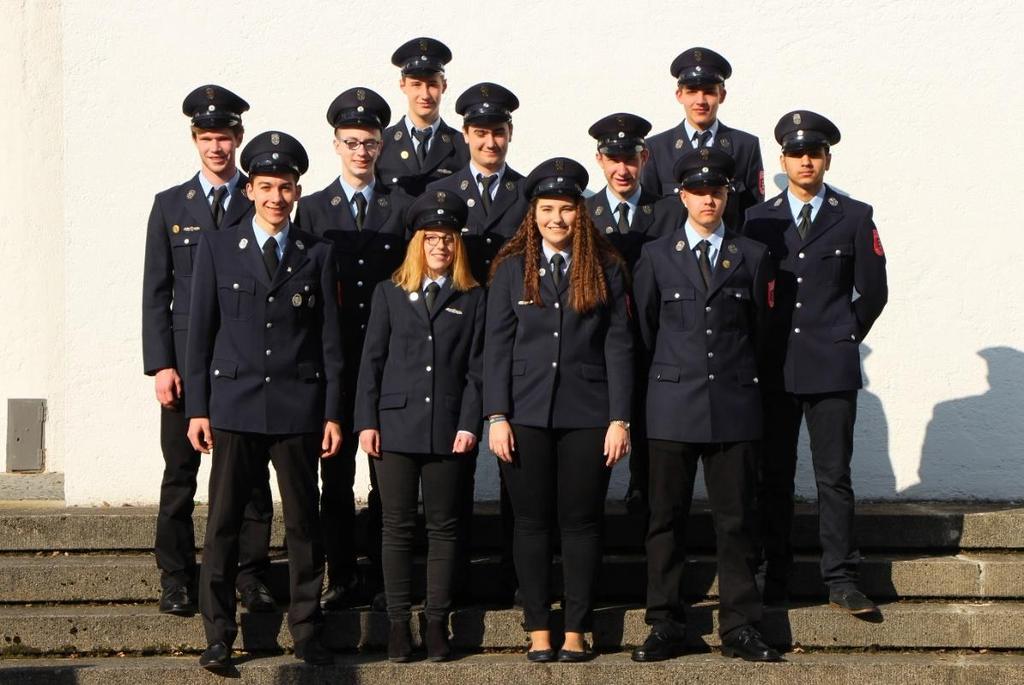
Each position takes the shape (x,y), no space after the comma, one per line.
(436,640)
(177,601)
(541,656)
(257,599)
(340,597)
(399,642)
(313,652)
(658,647)
(572,656)
(216,658)
(747,644)
(851,600)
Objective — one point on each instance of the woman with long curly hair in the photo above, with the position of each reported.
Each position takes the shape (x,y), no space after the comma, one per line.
(558,381)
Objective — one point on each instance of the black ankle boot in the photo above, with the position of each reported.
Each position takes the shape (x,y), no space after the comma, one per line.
(436,640)
(399,642)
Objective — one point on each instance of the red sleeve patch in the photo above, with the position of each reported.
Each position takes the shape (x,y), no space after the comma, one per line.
(877,243)
(771,294)
(760,181)
(339,293)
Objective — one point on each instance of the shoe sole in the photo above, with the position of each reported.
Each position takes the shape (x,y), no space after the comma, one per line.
(184,613)
(649,660)
(400,659)
(732,654)
(855,612)
(217,669)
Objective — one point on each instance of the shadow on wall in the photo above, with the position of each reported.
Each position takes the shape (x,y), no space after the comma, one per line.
(975,445)
(873,471)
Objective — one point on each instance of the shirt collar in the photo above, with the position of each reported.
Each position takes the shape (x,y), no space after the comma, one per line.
(433,127)
(207,186)
(796,204)
(474,170)
(715,238)
(427,280)
(613,202)
(350,192)
(690,130)
(262,236)
(549,253)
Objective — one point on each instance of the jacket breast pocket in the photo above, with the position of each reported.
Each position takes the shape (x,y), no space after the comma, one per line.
(308,372)
(594,372)
(838,263)
(677,308)
(237,297)
(664,373)
(224,368)
(182,253)
(736,304)
(392,400)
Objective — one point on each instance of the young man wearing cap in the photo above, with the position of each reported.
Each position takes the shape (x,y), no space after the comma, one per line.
(630,215)
(212,199)
(363,218)
(831,288)
(264,383)
(421,148)
(700,75)
(702,295)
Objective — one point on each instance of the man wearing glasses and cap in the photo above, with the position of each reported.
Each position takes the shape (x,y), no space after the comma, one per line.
(421,148)
(831,288)
(362,217)
(211,200)
(700,75)
(630,215)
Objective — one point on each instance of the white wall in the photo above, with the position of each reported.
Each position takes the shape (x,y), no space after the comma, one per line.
(926,97)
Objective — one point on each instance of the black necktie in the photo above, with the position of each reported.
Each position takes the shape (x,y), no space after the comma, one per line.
(270,257)
(704,261)
(431,296)
(556,268)
(360,202)
(422,135)
(623,210)
(218,204)
(701,138)
(485,195)
(803,227)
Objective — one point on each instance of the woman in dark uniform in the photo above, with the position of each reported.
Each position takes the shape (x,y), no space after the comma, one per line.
(418,408)
(557,390)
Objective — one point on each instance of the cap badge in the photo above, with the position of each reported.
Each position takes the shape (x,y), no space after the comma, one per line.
(175,228)
(398,135)
(242,243)
(679,143)
(335,201)
(464,185)
(696,68)
(697,55)
(413,296)
(704,153)
(560,179)
(275,139)
(704,169)
(210,93)
(680,246)
(445,138)
(622,134)
(647,209)
(732,248)
(441,196)
(190,194)
(360,108)
(298,244)
(559,166)
(485,91)
(471,202)
(360,94)
(423,45)
(726,263)
(297,300)
(796,118)
(211,108)
(599,211)
(778,202)
(509,185)
(382,201)
(275,156)
(405,153)
(833,201)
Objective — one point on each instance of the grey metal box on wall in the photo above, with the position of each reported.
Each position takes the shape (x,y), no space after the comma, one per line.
(25,419)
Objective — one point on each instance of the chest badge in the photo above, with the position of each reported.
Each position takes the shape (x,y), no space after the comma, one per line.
(445,138)
(335,201)
(510,186)
(647,209)
(680,246)
(405,154)
(599,211)
(464,185)
(242,243)
(726,264)
(297,300)
(413,296)
(732,248)
(778,202)
(300,245)
(175,228)
(398,135)
(833,201)
(679,143)
(470,202)
(190,194)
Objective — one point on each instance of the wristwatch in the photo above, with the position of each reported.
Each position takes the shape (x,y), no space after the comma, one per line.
(620,423)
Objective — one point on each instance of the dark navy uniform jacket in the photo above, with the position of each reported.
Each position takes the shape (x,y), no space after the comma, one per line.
(549,366)
(179,217)
(264,356)
(655,217)
(486,232)
(447,154)
(748,182)
(702,343)
(420,377)
(815,327)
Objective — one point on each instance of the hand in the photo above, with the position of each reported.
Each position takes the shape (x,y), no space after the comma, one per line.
(332,439)
(501,440)
(464,442)
(616,444)
(168,388)
(369,440)
(200,434)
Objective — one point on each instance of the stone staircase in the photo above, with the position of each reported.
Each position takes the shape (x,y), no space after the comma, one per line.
(78,591)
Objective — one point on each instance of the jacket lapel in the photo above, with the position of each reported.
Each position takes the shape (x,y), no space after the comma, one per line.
(294,257)
(729,259)
(415,300)
(440,148)
(443,297)
(404,144)
(686,260)
(198,205)
(830,214)
(505,196)
(239,205)
(251,255)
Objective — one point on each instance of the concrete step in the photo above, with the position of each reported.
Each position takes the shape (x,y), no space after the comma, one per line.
(63,577)
(142,630)
(885,526)
(512,669)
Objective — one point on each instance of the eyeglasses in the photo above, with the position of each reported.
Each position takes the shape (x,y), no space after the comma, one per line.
(435,240)
(371,145)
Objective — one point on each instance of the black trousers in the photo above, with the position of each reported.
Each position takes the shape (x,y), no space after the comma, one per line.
(730,474)
(830,418)
(175,544)
(239,460)
(557,473)
(399,477)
